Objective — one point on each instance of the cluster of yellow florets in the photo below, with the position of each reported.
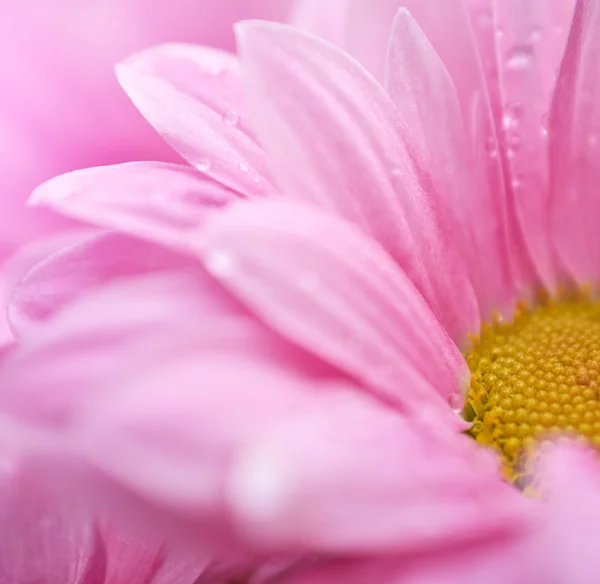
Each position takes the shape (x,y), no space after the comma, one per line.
(535,377)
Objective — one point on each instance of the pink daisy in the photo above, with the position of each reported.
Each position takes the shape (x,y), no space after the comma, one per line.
(270,347)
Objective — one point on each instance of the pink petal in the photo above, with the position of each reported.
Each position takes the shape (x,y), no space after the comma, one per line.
(161,202)
(94,343)
(15,268)
(76,269)
(321,283)
(368,28)
(530,47)
(129,561)
(571,480)
(575,140)
(493,211)
(336,139)
(132,560)
(351,476)
(177,425)
(421,87)
(325,20)
(495,561)
(45,539)
(192,96)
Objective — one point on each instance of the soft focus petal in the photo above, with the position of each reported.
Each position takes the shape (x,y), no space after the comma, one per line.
(335,138)
(15,268)
(339,296)
(93,344)
(326,20)
(76,269)
(570,478)
(131,560)
(421,87)
(530,47)
(44,538)
(353,477)
(575,147)
(165,203)
(177,426)
(60,106)
(193,98)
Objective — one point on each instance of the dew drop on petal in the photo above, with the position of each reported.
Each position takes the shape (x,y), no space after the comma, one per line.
(516,183)
(545,125)
(220,263)
(513,111)
(244,167)
(536,35)
(491,146)
(519,57)
(231,117)
(499,32)
(203,165)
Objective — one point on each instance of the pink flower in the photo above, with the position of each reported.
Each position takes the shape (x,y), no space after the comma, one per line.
(266,346)
(60,106)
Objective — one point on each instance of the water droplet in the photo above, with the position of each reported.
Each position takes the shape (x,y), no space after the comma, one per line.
(513,111)
(257,180)
(516,183)
(519,57)
(244,167)
(220,263)
(308,281)
(499,32)
(396,173)
(514,143)
(545,123)
(231,117)
(491,146)
(536,35)
(203,165)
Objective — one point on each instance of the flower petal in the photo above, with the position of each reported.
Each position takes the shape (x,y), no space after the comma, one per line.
(421,87)
(575,144)
(76,269)
(321,283)
(177,425)
(15,268)
(530,48)
(43,537)
(192,96)
(95,342)
(160,202)
(324,20)
(335,138)
(351,476)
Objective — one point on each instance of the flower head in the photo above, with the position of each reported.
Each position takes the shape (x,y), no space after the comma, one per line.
(273,344)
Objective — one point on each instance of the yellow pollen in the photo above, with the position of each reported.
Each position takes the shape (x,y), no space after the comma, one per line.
(536,377)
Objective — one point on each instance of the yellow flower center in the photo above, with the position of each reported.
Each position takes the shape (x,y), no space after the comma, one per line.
(536,377)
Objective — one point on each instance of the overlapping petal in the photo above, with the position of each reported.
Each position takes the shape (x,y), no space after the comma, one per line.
(321,283)
(165,203)
(575,139)
(193,97)
(350,477)
(346,148)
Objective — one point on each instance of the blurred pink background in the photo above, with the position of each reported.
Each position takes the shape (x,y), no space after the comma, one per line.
(60,105)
